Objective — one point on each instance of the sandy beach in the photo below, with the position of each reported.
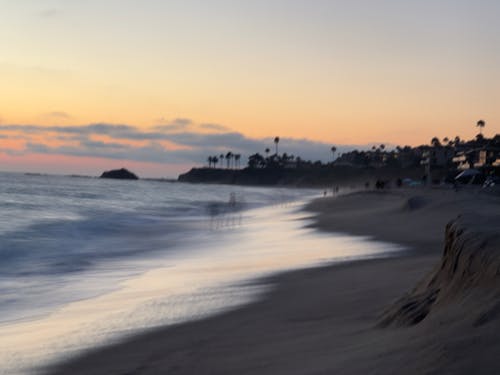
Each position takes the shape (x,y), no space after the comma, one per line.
(433,310)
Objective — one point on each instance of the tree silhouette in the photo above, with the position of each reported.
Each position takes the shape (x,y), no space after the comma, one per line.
(215,160)
(481,124)
(256,161)
(210,160)
(229,156)
(435,142)
(276,141)
(333,149)
(237,158)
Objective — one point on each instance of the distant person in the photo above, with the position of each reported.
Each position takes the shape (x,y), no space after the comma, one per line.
(232,201)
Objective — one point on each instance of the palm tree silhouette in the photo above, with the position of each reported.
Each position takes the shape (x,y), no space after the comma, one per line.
(229,156)
(215,160)
(210,160)
(333,152)
(276,141)
(481,124)
(237,158)
(435,142)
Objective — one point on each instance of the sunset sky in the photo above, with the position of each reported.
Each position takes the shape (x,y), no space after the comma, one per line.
(157,86)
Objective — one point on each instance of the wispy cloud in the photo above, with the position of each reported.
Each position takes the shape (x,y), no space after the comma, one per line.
(58,115)
(191,146)
(49,13)
(215,127)
(178,124)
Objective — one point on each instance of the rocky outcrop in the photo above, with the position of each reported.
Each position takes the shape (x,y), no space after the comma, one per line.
(470,264)
(120,174)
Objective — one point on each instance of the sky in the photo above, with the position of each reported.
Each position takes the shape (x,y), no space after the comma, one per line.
(158,86)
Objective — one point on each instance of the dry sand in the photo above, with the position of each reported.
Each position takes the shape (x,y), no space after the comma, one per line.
(422,313)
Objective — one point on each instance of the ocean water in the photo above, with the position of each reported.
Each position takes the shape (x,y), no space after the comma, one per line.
(85,262)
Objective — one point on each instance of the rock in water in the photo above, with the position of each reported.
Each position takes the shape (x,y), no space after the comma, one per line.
(120,174)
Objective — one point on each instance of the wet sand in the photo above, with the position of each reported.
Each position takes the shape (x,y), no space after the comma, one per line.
(329,320)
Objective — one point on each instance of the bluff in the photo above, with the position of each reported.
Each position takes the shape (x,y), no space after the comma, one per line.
(302,177)
(467,278)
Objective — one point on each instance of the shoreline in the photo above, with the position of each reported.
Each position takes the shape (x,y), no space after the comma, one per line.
(317,319)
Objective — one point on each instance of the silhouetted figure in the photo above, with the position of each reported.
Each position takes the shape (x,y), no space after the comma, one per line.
(232,201)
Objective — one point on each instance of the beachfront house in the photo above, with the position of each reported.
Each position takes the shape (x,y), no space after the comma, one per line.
(480,154)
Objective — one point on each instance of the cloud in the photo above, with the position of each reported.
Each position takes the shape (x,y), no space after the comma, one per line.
(99,145)
(193,147)
(58,114)
(49,13)
(215,127)
(178,124)
(35,72)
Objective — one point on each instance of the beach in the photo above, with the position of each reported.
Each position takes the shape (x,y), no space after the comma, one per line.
(433,309)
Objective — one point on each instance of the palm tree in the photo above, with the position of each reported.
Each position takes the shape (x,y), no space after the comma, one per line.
(237,158)
(276,141)
(215,160)
(229,156)
(267,152)
(210,160)
(481,124)
(435,142)
(333,149)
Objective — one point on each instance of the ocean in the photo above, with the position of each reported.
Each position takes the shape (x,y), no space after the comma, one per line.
(86,261)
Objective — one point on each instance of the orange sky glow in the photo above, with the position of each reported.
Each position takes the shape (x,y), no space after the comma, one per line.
(332,72)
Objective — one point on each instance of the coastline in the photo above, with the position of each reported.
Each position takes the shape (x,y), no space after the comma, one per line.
(323,319)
